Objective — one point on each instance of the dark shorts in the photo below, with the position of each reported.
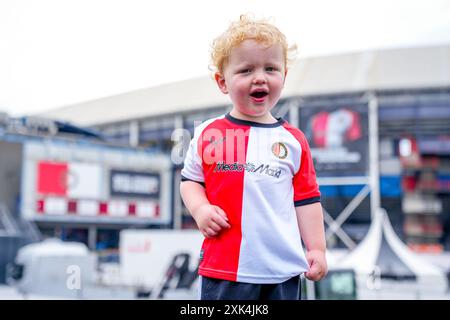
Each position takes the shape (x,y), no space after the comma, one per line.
(217,289)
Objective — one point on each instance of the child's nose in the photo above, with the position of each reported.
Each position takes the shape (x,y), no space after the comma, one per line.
(259,78)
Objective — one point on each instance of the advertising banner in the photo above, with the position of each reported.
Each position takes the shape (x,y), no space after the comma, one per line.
(74,183)
(69,179)
(134,184)
(338,138)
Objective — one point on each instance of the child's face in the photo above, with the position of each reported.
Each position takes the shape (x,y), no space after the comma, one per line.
(253,77)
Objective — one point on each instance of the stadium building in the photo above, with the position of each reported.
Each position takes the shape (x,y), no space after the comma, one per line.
(328,97)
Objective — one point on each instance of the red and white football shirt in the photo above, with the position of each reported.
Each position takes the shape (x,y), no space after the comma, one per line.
(257,173)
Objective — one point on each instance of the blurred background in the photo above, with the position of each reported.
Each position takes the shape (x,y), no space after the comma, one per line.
(92,94)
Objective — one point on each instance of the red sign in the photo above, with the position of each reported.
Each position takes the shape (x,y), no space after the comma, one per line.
(52,178)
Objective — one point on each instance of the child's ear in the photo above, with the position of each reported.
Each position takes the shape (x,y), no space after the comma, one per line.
(220,80)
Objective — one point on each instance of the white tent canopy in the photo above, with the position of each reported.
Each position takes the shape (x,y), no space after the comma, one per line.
(383,255)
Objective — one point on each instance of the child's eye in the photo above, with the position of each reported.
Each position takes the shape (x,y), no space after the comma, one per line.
(270,69)
(245,71)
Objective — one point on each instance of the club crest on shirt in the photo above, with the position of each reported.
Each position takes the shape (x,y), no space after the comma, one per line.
(280,150)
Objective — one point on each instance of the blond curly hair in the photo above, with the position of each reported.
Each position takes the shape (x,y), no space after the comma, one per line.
(247,28)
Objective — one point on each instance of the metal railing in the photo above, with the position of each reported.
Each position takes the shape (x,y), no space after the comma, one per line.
(11,226)
(8,226)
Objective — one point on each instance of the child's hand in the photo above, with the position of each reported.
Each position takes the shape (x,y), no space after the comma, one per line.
(211,220)
(317,265)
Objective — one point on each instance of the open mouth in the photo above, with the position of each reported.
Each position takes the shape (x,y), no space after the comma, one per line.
(259,94)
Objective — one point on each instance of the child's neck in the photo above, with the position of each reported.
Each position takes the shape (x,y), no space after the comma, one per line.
(267,118)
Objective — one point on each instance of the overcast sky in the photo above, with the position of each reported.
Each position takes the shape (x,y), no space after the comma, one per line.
(55,53)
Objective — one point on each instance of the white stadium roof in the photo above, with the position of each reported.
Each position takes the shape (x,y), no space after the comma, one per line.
(405,68)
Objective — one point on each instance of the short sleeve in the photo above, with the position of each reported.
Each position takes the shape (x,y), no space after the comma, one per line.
(192,169)
(306,189)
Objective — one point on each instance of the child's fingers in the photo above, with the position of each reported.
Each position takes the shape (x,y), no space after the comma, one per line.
(214,226)
(221,221)
(314,277)
(314,273)
(310,276)
(221,212)
(209,233)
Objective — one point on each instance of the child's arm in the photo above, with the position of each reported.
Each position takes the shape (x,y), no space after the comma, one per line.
(210,219)
(310,223)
